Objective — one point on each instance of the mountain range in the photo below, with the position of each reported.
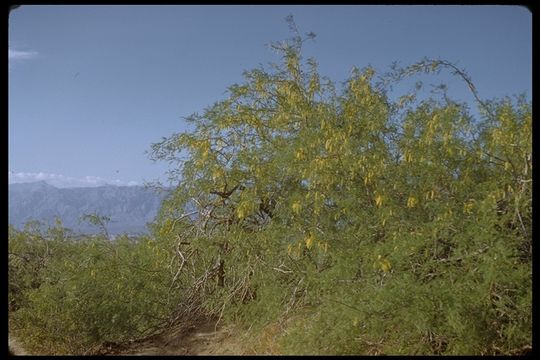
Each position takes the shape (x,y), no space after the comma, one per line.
(130,208)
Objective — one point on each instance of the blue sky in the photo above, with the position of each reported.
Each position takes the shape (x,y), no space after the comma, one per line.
(92,87)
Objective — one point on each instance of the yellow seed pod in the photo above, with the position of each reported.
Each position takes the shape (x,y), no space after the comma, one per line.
(411,202)
(378,200)
(289,249)
(240,214)
(408,157)
(297,207)
(385,265)
(241,211)
(205,154)
(328,145)
(446,137)
(309,241)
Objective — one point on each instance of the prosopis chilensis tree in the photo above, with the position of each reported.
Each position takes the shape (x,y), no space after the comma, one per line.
(292,176)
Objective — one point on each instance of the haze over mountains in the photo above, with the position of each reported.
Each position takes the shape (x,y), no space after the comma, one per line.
(129,207)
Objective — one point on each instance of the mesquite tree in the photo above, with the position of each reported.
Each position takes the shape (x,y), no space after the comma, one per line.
(311,187)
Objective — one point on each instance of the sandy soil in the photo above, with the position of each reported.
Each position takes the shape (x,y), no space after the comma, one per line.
(202,339)
(14,347)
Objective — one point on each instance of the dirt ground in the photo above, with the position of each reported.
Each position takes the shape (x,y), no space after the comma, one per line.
(201,339)
(14,347)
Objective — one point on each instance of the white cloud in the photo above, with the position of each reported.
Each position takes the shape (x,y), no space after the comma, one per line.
(21,55)
(63,181)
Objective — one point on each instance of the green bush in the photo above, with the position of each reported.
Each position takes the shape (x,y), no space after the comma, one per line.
(92,291)
(401,227)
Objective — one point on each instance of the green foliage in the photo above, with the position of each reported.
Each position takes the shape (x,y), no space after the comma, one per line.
(100,221)
(76,294)
(403,227)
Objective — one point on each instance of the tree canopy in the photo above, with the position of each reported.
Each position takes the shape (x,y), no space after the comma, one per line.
(346,194)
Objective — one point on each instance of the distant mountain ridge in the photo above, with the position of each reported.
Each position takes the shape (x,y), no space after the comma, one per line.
(129,207)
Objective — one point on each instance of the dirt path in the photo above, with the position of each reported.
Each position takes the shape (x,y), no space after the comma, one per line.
(204,339)
(14,347)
